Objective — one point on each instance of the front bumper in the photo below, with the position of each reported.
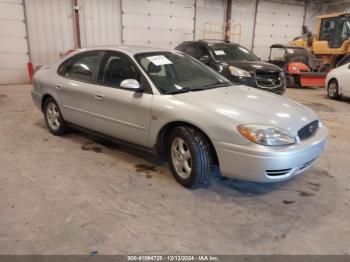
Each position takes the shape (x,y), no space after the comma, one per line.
(269,164)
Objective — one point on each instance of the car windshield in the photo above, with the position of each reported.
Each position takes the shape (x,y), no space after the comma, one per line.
(178,73)
(225,52)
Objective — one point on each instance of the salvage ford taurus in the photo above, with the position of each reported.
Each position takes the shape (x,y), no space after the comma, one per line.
(173,104)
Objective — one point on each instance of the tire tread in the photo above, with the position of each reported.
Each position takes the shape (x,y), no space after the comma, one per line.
(202,148)
(336,96)
(63,129)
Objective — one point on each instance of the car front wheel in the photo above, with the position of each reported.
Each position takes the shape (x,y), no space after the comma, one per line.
(190,157)
(53,118)
(333,89)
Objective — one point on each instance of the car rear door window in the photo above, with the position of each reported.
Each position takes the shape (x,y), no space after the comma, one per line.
(80,67)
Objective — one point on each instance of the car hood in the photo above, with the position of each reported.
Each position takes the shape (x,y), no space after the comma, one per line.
(246,105)
(254,66)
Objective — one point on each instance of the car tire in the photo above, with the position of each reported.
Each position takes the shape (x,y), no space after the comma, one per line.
(297,82)
(53,117)
(190,157)
(333,89)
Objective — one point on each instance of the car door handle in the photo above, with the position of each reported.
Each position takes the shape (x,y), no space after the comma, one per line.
(58,87)
(99,97)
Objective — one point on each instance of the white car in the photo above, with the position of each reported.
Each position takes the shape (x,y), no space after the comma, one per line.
(338,81)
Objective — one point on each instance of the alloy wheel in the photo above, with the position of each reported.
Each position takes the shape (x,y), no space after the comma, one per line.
(53,116)
(181,157)
(332,89)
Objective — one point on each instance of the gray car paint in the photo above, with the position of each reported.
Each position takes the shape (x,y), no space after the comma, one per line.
(139,117)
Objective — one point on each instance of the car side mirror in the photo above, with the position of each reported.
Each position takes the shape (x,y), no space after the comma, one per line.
(204,59)
(131,84)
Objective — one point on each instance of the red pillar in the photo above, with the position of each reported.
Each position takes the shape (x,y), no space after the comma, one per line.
(77,23)
(228,21)
(30,71)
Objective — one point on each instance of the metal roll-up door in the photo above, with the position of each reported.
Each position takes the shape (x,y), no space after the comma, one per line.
(276,23)
(157,23)
(13,43)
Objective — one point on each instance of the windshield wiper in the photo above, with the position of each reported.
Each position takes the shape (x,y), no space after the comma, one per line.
(218,84)
(182,90)
(185,90)
(194,89)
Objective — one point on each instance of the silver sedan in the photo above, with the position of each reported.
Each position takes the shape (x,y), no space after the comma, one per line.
(169,103)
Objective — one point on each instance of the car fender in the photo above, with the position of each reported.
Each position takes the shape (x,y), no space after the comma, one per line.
(43,84)
(214,125)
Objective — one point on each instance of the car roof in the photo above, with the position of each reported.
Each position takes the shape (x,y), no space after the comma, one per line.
(216,41)
(211,42)
(286,46)
(128,49)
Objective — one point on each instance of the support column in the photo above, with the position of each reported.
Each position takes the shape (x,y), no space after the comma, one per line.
(228,21)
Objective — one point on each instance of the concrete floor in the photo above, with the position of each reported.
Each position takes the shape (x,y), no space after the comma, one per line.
(75,195)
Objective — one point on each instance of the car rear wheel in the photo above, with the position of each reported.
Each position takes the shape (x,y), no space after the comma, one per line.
(53,117)
(190,157)
(333,89)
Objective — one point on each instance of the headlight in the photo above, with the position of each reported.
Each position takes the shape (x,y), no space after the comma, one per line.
(239,72)
(282,74)
(266,135)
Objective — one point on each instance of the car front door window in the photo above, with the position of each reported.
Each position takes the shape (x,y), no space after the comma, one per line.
(115,68)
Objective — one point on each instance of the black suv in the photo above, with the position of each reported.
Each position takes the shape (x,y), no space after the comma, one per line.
(237,64)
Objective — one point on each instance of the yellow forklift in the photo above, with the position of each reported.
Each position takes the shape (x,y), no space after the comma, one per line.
(331,40)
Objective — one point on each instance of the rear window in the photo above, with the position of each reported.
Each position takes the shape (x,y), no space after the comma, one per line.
(80,67)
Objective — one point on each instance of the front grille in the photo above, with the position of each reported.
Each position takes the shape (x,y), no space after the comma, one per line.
(308,130)
(278,172)
(268,80)
(274,75)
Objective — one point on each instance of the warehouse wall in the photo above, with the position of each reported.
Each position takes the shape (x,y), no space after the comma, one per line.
(100,22)
(243,16)
(157,23)
(50,29)
(276,23)
(315,9)
(13,43)
(162,23)
(310,16)
(210,20)
(335,7)
(106,22)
